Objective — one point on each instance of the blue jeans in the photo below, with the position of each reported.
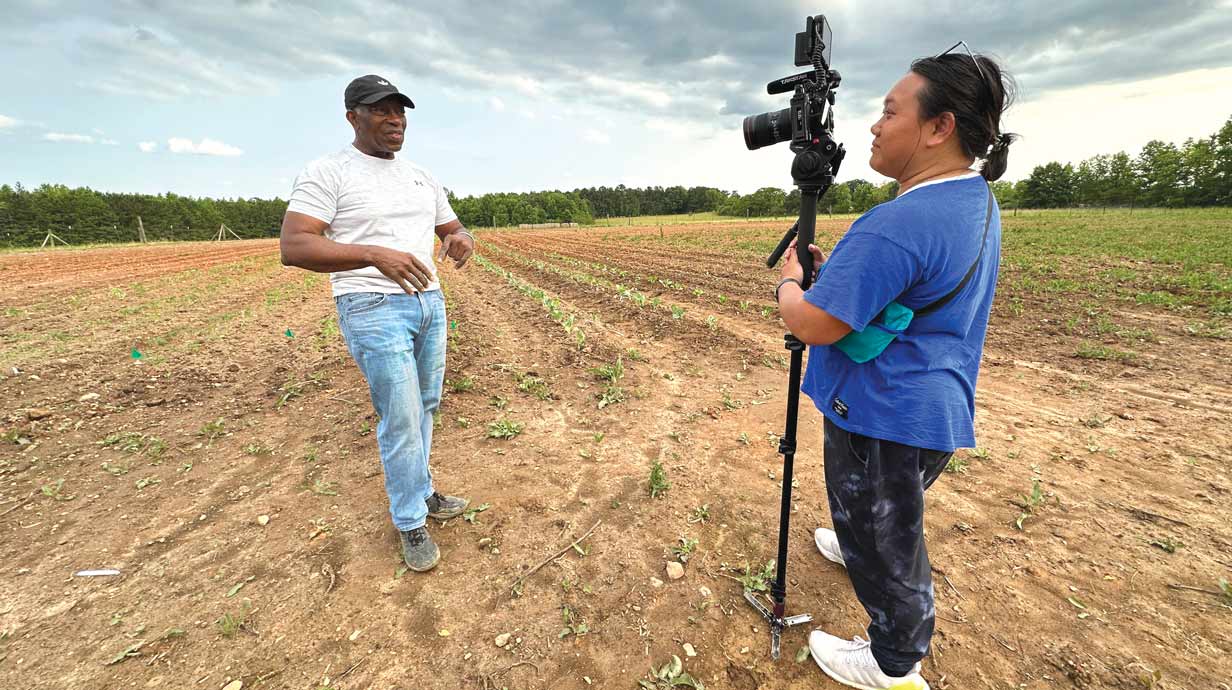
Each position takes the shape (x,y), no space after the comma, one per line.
(398,341)
(876,493)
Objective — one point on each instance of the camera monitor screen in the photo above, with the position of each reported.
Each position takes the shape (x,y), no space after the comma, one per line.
(806,41)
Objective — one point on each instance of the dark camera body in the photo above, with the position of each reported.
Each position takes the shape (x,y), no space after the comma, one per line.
(810,115)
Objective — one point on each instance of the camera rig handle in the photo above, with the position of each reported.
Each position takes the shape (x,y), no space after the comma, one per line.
(813,170)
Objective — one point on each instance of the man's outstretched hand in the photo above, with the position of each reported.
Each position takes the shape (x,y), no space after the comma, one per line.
(458,246)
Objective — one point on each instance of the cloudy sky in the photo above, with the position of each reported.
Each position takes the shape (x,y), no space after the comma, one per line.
(233,98)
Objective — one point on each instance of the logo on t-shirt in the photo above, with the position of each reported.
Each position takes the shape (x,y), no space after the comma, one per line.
(839,407)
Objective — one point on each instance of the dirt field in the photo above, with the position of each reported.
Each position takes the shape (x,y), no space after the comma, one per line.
(188,415)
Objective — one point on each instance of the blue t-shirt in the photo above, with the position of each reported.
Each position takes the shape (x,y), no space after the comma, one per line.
(914,250)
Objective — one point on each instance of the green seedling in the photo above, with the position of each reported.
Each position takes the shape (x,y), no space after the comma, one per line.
(473,513)
(229,624)
(658,480)
(684,549)
(461,385)
(1031,501)
(257,449)
(212,430)
(55,490)
(757,580)
(610,395)
(957,465)
(504,428)
(147,481)
(1167,544)
(321,487)
(573,625)
(116,470)
(133,442)
(610,372)
(668,676)
(700,514)
(529,383)
(290,391)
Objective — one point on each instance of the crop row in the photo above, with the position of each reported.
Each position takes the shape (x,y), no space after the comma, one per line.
(566,319)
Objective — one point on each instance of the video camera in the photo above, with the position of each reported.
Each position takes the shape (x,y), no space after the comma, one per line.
(810,115)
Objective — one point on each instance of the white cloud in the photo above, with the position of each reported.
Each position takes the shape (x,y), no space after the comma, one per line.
(594,136)
(641,92)
(72,138)
(716,60)
(207,147)
(675,128)
(148,146)
(109,142)
(497,104)
(7,122)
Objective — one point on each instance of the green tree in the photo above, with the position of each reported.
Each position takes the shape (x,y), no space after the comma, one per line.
(1049,186)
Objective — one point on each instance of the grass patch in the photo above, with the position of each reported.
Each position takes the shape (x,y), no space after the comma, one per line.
(1088,350)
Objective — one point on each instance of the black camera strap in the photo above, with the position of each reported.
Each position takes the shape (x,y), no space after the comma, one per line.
(941,302)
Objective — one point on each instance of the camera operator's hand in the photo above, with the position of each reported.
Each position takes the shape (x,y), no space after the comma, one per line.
(791,263)
(401,267)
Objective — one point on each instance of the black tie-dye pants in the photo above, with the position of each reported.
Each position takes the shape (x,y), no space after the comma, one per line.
(876,491)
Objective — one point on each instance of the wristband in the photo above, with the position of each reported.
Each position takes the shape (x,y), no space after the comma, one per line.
(782,283)
(464,232)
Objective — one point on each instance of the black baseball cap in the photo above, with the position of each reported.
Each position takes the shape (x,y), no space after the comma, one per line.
(371,88)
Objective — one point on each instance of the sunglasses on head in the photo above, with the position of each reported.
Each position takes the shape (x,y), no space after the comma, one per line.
(970,54)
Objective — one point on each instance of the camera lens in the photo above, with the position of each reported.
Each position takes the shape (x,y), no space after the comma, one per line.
(767,128)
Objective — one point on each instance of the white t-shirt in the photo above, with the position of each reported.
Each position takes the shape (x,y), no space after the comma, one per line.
(370,200)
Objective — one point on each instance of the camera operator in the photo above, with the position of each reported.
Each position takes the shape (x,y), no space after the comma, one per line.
(893,421)
(369,219)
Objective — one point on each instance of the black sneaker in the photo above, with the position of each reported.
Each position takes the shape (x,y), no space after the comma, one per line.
(442,507)
(419,552)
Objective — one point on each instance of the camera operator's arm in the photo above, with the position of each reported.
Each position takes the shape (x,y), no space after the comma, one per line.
(813,326)
(303,243)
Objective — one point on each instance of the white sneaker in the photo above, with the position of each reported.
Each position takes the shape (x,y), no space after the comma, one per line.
(851,663)
(827,543)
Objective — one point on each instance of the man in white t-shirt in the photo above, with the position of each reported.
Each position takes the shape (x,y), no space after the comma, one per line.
(368,219)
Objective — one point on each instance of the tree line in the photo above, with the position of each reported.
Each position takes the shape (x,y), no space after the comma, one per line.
(1195,173)
(83,216)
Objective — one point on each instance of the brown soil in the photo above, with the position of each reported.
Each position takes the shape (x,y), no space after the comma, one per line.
(1131,460)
